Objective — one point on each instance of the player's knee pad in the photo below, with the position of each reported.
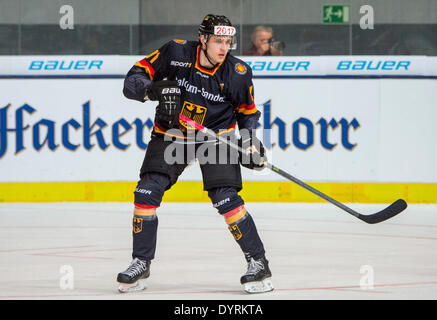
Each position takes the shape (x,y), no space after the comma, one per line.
(225,199)
(149,190)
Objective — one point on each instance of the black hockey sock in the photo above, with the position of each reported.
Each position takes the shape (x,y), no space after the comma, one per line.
(144,235)
(246,235)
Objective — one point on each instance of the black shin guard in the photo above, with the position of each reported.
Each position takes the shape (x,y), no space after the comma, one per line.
(144,237)
(229,204)
(148,197)
(246,235)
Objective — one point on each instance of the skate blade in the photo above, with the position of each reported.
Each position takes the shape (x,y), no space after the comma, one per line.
(259,286)
(132,287)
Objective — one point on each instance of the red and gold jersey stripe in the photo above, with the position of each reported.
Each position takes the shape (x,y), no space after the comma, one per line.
(246,109)
(251,92)
(227,130)
(158,129)
(147,67)
(154,54)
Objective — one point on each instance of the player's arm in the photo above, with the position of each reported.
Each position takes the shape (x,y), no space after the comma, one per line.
(244,101)
(247,119)
(144,82)
(140,78)
(136,84)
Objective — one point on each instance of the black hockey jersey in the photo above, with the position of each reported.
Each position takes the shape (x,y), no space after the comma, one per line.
(217,98)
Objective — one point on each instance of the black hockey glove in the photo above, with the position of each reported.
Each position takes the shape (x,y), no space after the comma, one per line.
(253,156)
(169,96)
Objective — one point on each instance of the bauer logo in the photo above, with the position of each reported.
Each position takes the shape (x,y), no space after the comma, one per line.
(65,65)
(374,65)
(279,66)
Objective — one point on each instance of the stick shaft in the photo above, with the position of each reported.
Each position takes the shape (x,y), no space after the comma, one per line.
(272,167)
(311,189)
(389,212)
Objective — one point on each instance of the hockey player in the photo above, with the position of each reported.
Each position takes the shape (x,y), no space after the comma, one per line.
(202,81)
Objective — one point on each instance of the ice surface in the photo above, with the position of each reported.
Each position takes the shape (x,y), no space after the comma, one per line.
(316,251)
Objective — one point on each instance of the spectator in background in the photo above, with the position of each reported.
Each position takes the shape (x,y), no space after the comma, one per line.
(263,43)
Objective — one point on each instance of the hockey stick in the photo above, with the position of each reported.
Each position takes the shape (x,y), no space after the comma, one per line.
(392,210)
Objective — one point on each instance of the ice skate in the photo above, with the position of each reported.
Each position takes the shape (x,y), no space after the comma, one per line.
(258,277)
(134,277)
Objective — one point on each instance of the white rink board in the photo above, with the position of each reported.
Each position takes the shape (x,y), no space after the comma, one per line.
(394,139)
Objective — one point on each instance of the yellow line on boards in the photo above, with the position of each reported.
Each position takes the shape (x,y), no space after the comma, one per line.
(192,191)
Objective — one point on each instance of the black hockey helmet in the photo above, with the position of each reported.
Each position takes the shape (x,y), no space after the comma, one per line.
(211,21)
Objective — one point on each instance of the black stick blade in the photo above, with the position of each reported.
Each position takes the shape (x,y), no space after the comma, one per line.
(395,208)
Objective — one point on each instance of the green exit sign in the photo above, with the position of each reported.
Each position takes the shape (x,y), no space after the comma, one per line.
(335,14)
